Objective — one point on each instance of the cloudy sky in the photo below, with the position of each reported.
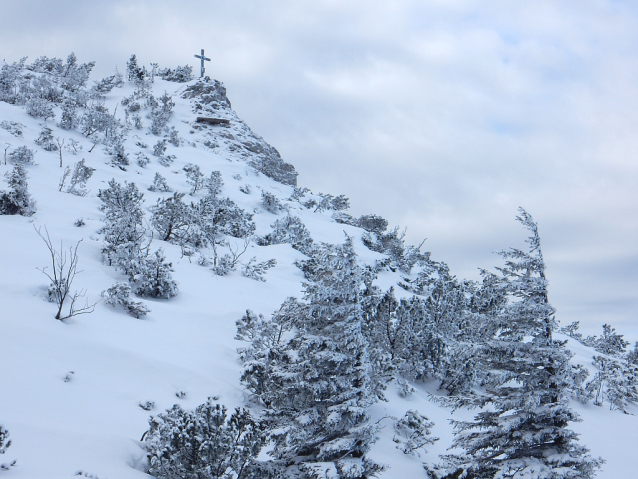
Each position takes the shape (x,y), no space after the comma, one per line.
(440,115)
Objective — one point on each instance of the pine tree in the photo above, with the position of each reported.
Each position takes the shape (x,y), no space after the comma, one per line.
(154,277)
(17,201)
(317,392)
(524,434)
(124,234)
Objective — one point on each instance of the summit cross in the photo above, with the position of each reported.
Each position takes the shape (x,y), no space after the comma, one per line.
(202,58)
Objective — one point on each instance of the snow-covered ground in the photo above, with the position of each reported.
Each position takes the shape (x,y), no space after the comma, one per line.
(70,392)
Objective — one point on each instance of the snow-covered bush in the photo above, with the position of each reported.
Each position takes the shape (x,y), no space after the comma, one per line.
(194,177)
(161,113)
(180,74)
(214,184)
(290,230)
(21,156)
(173,219)
(159,184)
(271,203)
(255,270)
(40,108)
(412,432)
(119,295)
(154,278)
(81,174)
(205,444)
(45,140)
(173,137)
(69,119)
(159,148)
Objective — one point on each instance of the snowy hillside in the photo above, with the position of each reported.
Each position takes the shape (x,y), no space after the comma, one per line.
(240,233)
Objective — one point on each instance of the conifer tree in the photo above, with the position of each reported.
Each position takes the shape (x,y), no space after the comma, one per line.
(17,201)
(317,393)
(524,434)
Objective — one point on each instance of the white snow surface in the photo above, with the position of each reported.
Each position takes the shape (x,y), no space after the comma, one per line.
(92,423)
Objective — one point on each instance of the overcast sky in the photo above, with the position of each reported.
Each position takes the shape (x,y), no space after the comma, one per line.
(440,115)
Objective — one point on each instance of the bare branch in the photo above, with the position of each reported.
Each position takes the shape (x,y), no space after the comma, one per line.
(63,271)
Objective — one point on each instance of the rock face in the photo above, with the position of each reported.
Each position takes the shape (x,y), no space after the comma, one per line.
(235,138)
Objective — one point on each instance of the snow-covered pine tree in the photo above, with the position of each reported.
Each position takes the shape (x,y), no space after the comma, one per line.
(524,434)
(124,233)
(173,219)
(154,277)
(17,201)
(317,394)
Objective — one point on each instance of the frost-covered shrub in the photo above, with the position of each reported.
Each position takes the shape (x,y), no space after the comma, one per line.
(205,444)
(17,201)
(289,230)
(21,156)
(214,183)
(161,113)
(159,148)
(194,177)
(105,85)
(180,74)
(224,266)
(329,202)
(45,140)
(69,119)
(81,174)
(255,270)
(119,295)
(154,278)
(173,137)
(610,342)
(142,159)
(271,203)
(173,219)
(40,108)
(412,432)
(159,184)
(373,223)
(166,161)
(13,127)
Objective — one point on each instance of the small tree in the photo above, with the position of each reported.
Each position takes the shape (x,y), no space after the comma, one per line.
(46,140)
(17,201)
(63,271)
(159,184)
(195,177)
(154,279)
(81,174)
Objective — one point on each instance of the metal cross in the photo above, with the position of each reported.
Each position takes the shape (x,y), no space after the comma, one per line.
(202,58)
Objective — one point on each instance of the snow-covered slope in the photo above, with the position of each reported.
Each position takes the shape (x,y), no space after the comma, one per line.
(70,391)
